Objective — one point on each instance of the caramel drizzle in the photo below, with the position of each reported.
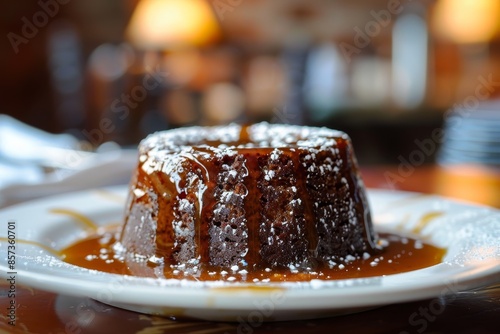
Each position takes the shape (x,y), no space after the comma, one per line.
(425,220)
(84,220)
(110,196)
(37,244)
(244,134)
(309,216)
(204,221)
(251,201)
(361,202)
(161,185)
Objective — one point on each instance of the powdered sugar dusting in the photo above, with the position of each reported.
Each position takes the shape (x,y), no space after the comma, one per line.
(181,155)
(228,137)
(229,230)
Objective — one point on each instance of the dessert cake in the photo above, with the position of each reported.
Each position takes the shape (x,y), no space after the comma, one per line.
(247,198)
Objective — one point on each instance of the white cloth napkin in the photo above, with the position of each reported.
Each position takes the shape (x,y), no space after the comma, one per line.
(26,152)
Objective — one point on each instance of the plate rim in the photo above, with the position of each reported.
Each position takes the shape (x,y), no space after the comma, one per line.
(220,299)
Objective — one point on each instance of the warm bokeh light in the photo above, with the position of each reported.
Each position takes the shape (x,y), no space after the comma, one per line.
(161,24)
(222,103)
(474,183)
(467,21)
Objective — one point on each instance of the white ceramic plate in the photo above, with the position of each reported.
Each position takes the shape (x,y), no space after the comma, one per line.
(470,233)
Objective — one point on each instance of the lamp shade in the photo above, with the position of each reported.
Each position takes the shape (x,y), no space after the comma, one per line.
(467,21)
(167,24)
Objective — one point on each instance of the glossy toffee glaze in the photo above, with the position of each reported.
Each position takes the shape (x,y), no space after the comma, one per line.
(245,198)
(401,254)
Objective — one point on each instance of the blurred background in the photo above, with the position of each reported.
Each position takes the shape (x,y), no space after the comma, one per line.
(387,72)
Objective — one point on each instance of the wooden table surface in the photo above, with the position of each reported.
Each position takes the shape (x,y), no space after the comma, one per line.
(474,311)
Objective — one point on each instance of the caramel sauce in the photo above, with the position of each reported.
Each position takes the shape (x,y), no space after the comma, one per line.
(78,217)
(425,219)
(401,254)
